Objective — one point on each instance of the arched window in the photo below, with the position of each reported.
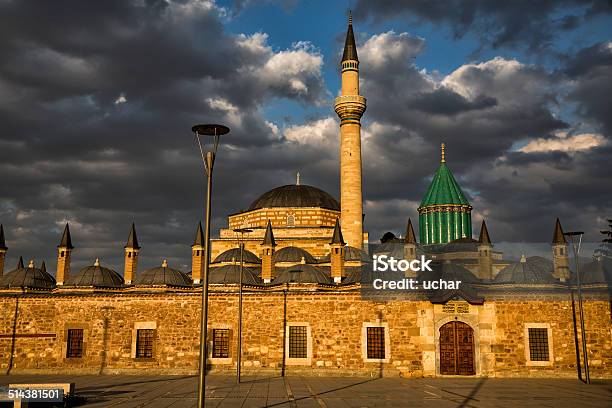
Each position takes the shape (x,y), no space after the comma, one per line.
(291,220)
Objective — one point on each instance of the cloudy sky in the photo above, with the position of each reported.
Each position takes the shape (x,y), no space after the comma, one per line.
(97,100)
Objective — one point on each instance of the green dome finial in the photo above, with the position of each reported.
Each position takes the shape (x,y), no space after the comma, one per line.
(442,153)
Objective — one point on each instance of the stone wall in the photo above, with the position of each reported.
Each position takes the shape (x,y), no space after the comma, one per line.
(335,318)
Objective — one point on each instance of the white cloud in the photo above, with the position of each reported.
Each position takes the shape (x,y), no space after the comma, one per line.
(121,99)
(565,143)
(232,113)
(322,132)
(380,49)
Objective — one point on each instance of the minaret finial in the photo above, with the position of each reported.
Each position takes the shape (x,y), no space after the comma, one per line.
(297,179)
(442,153)
(350,17)
(97,262)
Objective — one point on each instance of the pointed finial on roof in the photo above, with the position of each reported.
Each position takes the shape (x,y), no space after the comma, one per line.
(410,236)
(337,236)
(297,179)
(20,263)
(165,263)
(443,153)
(43,267)
(66,241)
(484,234)
(558,237)
(269,236)
(132,241)
(199,238)
(350,48)
(523,259)
(2,243)
(31,264)
(97,262)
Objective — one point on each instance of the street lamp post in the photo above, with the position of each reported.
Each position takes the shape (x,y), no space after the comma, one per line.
(208,158)
(240,231)
(576,249)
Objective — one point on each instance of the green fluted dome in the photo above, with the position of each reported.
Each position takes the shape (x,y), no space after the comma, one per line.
(444,189)
(444,213)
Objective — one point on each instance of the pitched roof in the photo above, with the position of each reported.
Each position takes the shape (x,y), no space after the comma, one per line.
(337,236)
(410,237)
(269,237)
(66,241)
(484,234)
(2,243)
(558,237)
(132,241)
(199,238)
(444,189)
(350,48)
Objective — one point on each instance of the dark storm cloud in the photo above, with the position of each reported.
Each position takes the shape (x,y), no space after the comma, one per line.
(517,23)
(97,101)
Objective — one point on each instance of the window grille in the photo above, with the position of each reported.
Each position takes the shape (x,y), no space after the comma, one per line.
(144,343)
(538,344)
(376,342)
(75,343)
(220,343)
(298,344)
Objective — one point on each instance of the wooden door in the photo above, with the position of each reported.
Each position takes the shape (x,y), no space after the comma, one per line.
(456,349)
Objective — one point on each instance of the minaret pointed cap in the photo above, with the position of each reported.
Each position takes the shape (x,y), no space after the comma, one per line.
(337,237)
(558,237)
(410,236)
(199,238)
(43,267)
(269,236)
(350,48)
(2,243)
(132,241)
(484,234)
(20,263)
(66,241)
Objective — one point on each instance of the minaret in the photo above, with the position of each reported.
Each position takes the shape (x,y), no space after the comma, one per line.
(267,255)
(350,106)
(485,253)
(64,251)
(560,254)
(337,246)
(197,255)
(410,244)
(131,256)
(3,249)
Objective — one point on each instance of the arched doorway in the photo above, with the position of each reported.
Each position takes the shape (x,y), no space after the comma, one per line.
(456,349)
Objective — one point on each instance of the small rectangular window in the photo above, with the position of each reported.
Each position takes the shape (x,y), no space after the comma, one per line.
(298,342)
(376,342)
(538,344)
(220,343)
(74,347)
(144,343)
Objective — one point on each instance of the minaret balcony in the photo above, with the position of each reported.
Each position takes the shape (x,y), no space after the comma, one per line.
(349,105)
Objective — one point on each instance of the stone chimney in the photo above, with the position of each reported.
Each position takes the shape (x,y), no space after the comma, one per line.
(338,248)
(410,244)
(267,255)
(131,256)
(560,254)
(3,249)
(197,255)
(64,252)
(485,253)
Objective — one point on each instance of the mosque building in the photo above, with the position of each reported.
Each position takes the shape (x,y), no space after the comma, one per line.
(308,305)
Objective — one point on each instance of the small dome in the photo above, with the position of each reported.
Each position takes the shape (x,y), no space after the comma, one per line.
(293,254)
(534,269)
(228,274)
(351,254)
(163,275)
(96,276)
(599,270)
(302,274)
(295,195)
(29,277)
(233,255)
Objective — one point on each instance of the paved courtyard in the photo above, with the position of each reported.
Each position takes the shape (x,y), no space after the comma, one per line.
(318,392)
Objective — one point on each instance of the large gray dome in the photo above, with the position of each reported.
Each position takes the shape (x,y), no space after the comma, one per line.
(534,269)
(233,255)
(29,277)
(302,274)
(293,254)
(96,276)
(230,274)
(295,195)
(163,275)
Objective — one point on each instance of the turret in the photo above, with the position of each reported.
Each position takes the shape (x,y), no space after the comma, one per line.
(3,249)
(131,256)
(197,255)
(338,247)
(410,244)
(349,107)
(485,253)
(560,254)
(267,255)
(64,254)
(444,213)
